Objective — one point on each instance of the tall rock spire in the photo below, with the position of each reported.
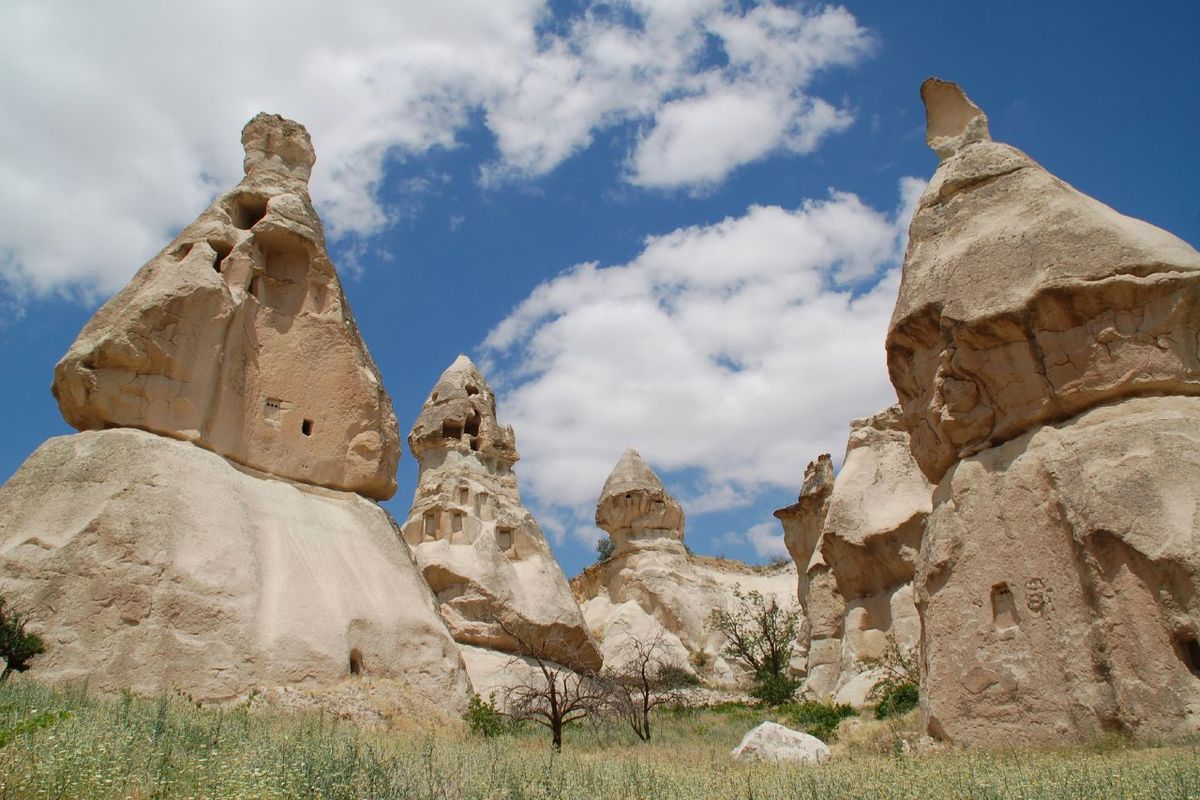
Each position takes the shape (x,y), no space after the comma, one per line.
(480,550)
(634,505)
(237,337)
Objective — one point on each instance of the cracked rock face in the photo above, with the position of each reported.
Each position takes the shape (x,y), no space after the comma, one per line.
(237,337)
(651,587)
(481,552)
(1024,301)
(149,564)
(1059,585)
(1044,349)
(856,581)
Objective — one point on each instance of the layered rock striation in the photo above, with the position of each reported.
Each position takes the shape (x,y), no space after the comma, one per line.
(497,584)
(237,337)
(652,588)
(215,533)
(1044,349)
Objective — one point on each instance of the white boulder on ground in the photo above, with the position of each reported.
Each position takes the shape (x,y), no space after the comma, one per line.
(773,742)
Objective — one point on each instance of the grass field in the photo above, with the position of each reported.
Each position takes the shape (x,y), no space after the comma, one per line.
(67,745)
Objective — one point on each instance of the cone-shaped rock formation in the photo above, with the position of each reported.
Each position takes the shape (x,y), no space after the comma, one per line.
(651,587)
(1044,348)
(147,562)
(237,337)
(480,550)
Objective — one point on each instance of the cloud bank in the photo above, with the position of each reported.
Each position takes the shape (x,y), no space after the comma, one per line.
(119,116)
(736,351)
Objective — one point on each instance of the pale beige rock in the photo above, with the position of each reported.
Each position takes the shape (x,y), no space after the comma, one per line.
(237,337)
(151,564)
(652,587)
(478,547)
(856,589)
(1059,582)
(1024,301)
(774,743)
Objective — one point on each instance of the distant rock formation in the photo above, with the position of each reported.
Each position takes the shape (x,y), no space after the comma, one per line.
(478,547)
(1044,349)
(652,587)
(149,563)
(856,584)
(237,337)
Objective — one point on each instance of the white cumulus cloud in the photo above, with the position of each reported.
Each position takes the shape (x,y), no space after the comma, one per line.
(120,118)
(731,354)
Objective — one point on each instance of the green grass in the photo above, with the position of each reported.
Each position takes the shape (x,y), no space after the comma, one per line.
(131,748)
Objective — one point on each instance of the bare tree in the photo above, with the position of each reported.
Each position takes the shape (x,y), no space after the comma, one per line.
(552,695)
(646,680)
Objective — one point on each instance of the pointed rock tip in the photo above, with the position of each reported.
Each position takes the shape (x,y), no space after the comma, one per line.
(631,473)
(279,145)
(952,121)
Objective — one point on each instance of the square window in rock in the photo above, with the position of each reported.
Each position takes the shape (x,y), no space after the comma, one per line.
(456,521)
(464,494)
(306,427)
(1004,608)
(431,524)
(504,539)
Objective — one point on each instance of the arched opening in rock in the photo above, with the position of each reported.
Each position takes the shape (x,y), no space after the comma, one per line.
(472,426)
(472,389)
(431,524)
(181,252)
(504,539)
(464,495)
(306,427)
(222,249)
(247,210)
(456,521)
(356,662)
(1190,649)
(1004,607)
(451,430)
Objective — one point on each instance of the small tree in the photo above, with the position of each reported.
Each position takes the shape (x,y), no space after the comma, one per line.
(646,680)
(898,689)
(759,634)
(604,549)
(554,696)
(16,645)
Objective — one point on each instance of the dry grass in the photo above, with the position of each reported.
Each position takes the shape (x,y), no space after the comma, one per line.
(126,747)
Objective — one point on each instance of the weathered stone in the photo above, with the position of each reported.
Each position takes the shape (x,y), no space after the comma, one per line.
(856,589)
(773,742)
(237,337)
(1059,583)
(1024,301)
(478,547)
(652,588)
(151,564)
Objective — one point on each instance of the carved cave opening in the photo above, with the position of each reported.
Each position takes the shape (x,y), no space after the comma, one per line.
(473,422)
(431,525)
(456,521)
(1004,607)
(451,429)
(504,539)
(472,389)
(356,662)
(222,249)
(306,427)
(464,494)
(1190,648)
(247,210)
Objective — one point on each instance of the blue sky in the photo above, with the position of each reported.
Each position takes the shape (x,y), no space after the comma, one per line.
(669,226)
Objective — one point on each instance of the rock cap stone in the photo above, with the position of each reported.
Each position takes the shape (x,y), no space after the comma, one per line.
(275,144)
(952,121)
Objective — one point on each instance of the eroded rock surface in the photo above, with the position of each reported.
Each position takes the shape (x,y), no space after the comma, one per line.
(856,586)
(1060,582)
(151,564)
(237,337)
(652,588)
(1044,349)
(478,547)
(1024,301)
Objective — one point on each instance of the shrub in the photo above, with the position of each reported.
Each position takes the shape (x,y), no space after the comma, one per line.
(819,719)
(774,690)
(897,700)
(675,677)
(16,645)
(483,718)
(604,549)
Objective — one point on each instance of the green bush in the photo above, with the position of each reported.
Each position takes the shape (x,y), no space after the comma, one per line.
(604,549)
(483,718)
(774,690)
(819,719)
(674,677)
(896,700)
(16,645)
